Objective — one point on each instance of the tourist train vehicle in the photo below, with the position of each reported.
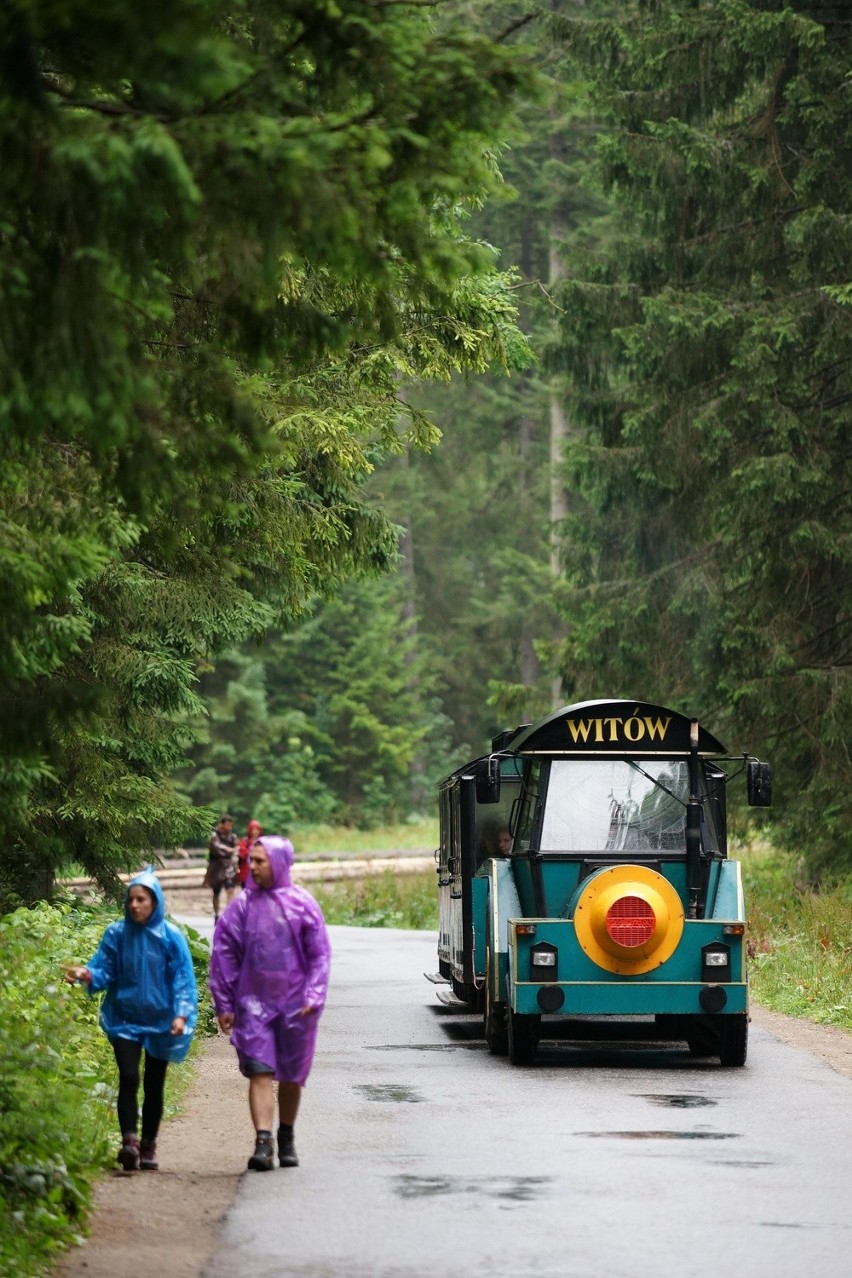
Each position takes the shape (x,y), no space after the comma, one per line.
(583,874)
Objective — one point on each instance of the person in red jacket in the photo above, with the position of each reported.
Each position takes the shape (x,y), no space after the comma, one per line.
(253,832)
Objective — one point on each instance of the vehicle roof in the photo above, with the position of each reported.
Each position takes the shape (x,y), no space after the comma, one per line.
(613,728)
(607,729)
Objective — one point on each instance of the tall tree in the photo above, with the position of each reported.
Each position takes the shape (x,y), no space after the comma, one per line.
(225,233)
(710,357)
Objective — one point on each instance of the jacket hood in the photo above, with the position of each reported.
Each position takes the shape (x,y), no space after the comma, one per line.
(148,879)
(281,857)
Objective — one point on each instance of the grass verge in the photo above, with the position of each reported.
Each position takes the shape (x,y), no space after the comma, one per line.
(800,940)
(415,835)
(382,900)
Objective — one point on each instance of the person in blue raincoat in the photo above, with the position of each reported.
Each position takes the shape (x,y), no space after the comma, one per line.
(151,1003)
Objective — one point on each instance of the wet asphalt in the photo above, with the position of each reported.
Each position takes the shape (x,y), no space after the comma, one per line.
(423,1155)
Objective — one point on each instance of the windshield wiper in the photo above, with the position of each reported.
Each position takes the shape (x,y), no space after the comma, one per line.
(665,789)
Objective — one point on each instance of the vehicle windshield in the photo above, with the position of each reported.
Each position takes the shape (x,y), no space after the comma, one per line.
(614,805)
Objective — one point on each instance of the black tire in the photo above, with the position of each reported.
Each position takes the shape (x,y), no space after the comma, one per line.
(733,1040)
(523,1037)
(701,1039)
(496,1033)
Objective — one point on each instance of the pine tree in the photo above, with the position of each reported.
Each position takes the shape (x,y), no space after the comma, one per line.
(225,236)
(709,352)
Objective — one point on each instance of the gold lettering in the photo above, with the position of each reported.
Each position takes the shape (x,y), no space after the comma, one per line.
(657,727)
(580,728)
(613,728)
(634,728)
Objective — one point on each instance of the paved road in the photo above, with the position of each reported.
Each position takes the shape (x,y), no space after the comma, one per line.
(422,1155)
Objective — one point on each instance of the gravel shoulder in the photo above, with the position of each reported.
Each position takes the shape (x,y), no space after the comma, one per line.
(168,1222)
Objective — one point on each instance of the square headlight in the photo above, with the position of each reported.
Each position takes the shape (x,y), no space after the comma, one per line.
(544,962)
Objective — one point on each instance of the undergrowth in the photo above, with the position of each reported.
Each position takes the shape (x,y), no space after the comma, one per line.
(58,1128)
(800,940)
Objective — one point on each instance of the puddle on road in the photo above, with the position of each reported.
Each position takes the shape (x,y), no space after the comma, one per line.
(743,1162)
(799,1224)
(389,1092)
(676,1100)
(415,1047)
(500,1189)
(662,1135)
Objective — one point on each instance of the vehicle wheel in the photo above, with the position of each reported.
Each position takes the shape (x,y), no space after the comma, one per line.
(733,1040)
(523,1037)
(701,1039)
(496,1034)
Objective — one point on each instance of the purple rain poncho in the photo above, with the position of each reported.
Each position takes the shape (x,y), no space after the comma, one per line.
(271,958)
(146,970)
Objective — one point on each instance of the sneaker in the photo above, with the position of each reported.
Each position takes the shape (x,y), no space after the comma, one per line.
(128,1155)
(286,1149)
(148,1156)
(262,1159)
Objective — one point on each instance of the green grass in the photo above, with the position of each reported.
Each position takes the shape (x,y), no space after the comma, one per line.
(315,841)
(381,900)
(800,940)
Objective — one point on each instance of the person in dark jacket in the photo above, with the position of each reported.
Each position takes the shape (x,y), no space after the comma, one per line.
(151,1004)
(222,869)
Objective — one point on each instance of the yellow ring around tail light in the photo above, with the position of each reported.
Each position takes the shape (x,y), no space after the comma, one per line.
(604,891)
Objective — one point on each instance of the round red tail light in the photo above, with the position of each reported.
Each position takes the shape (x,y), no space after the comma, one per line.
(630,921)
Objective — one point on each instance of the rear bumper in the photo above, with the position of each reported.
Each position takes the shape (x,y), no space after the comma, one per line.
(623,998)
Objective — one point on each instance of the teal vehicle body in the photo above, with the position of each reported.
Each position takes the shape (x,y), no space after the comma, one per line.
(583,872)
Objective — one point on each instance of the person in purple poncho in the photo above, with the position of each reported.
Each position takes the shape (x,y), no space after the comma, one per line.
(269,978)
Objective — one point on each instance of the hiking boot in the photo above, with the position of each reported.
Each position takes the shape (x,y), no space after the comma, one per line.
(262,1159)
(128,1155)
(286,1148)
(148,1156)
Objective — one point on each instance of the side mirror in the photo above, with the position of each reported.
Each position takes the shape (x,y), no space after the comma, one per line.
(488,781)
(759,784)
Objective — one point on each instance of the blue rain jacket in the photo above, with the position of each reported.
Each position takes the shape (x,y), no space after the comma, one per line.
(146,970)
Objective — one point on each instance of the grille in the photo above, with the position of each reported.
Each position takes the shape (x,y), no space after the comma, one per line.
(630,922)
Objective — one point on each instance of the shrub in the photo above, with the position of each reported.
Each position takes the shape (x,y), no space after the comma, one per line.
(56,1084)
(57,1080)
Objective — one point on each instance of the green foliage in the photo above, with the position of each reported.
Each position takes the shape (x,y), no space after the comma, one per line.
(480,511)
(800,940)
(57,1080)
(381,900)
(56,1085)
(708,559)
(334,720)
(225,238)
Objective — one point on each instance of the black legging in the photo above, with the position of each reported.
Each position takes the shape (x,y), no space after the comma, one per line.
(127,1058)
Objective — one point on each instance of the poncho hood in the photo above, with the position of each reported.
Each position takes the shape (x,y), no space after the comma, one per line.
(281,857)
(147,879)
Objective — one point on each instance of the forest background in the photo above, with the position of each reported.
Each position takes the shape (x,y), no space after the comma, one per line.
(273,538)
